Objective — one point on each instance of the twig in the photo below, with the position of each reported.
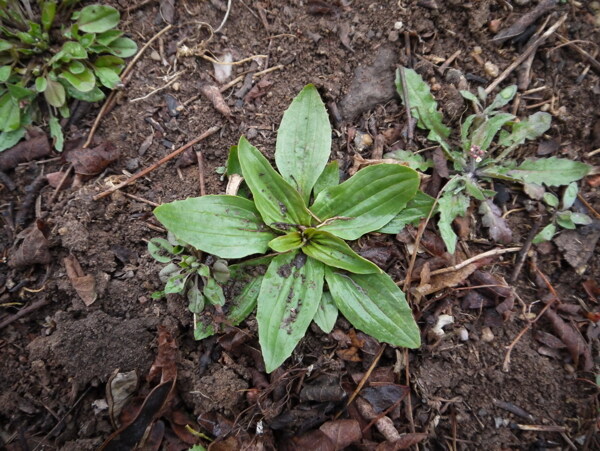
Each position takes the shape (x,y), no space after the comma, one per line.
(588,205)
(524,250)
(24,311)
(364,380)
(151,93)
(591,60)
(447,63)
(201,181)
(226,16)
(61,184)
(160,162)
(141,199)
(593,152)
(533,47)
(110,101)
(510,347)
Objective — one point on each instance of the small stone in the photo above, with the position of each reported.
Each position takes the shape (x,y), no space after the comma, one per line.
(398,25)
(463,334)
(393,36)
(494,25)
(491,69)
(569,368)
(362,141)
(176,86)
(487,335)
(477,50)
(154,55)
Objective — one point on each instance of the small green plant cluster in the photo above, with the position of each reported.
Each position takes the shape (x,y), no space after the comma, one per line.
(487,139)
(45,56)
(304,216)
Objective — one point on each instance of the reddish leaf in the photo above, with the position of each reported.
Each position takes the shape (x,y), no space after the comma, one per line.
(33,247)
(165,363)
(92,161)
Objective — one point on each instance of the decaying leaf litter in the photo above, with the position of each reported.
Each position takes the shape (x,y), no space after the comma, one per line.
(457,387)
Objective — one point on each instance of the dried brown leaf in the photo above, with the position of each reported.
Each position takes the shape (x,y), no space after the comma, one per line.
(384,424)
(446,280)
(165,363)
(119,389)
(578,348)
(342,432)
(440,163)
(491,217)
(32,149)
(212,93)
(32,247)
(404,442)
(92,161)
(258,90)
(84,284)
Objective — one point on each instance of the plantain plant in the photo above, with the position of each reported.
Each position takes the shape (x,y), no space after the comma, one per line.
(47,60)
(300,218)
(487,139)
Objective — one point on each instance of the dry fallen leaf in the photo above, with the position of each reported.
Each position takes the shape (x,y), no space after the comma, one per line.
(446,280)
(212,93)
(342,432)
(491,217)
(580,351)
(92,161)
(84,284)
(32,247)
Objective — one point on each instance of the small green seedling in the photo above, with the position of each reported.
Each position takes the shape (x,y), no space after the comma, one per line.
(45,56)
(561,214)
(487,138)
(303,215)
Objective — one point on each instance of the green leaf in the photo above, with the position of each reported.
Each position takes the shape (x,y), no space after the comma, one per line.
(226,226)
(569,196)
(5,72)
(122,47)
(176,283)
(97,18)
(280,205)
(414,160)
(40,84)
(109,61)
(108,37)
(464,131)
(423,106)
(545,234)
(473,189)
(233,162)
(332,251)
(503,98)
(76,67)
(196,300)
(70,50)
(9,139)
(551,171)
(417,208)
(292,240)
(550,200)
(5,45)
(471,97)
(328,178)
(485,133)
(531,128)
(95,95)
(450,206)
(327,313)
(56,133)
(19,92)
(581,219)
(213,292)
(83,82)
(374,304)
(288,301)
(107,77)
(303,141)
(367,201)
(10,113)
(87,40)
(48,11)
(563,219)
(162,250)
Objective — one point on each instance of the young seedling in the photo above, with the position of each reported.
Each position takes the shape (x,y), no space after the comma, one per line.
(487,138)
(43,56)
(303,215)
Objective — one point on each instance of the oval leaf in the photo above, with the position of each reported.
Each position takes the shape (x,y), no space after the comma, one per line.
(327,313)
(279,203)
(417,208)
(288,301)
(226,226)
(10,114)
(328,178)
(332,251)
(303,141)
(551,171)
(122,47)
(287,242)
(98,18)
(83,82)
(374,304)
(367,201)
(107,77)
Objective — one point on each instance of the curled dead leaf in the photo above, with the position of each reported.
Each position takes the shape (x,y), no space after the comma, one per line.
(84,284)
(92,161)
(31,247)
(212,93)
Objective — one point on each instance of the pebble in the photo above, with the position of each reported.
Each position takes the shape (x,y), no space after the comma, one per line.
(154,55)
(463,334)
(487,335)
(393,36)
(491,69)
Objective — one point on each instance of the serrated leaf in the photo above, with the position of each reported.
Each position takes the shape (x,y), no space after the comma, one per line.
(332,251)
(367,201)
(417,208)
(450,206)
(225,226)
(551,171)
(303,141)
(485,133)
(10,113)
(122,47)
(569,196)
(414,160)
(83,82)
(550,200)
(327,313)
(288,301)
(374,304)
(491,217)
(97,18)
(502,98)
(423,106)
(56,133)
(279,204)
(292,240)
(9,139)
(328,178)
(545,234)
(531,128)
(107,77)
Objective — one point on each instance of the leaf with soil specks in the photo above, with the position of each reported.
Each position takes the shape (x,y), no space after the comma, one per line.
(84,284)
(165,363)
(33,248)
(342,432)
(577,248)
(493,220)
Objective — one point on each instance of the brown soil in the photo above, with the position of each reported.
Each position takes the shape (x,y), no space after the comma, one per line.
(57,359)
